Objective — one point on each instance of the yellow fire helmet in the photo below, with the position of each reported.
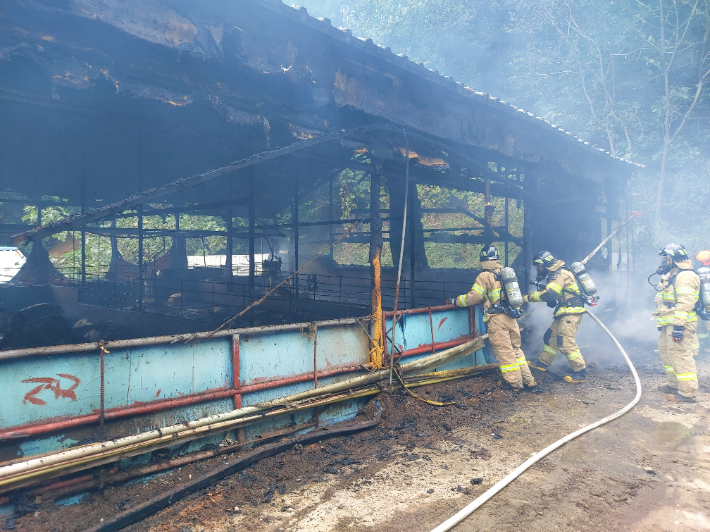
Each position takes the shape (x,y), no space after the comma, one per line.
(704,257)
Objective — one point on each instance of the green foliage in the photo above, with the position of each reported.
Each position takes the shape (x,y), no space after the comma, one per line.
(50,214)
(98,257)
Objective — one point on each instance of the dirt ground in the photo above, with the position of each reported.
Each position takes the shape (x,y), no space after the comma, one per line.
(648,471)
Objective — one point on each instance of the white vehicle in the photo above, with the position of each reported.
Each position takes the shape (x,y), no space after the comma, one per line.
(11,260)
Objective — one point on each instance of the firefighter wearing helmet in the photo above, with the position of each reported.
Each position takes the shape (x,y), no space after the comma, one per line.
(563,294)
(677,321)
(500,311)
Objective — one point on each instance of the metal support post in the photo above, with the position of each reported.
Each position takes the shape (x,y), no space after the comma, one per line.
(412,250)
(252,221)
(140,224)
(140,258)
(294,217)
(377,347)
(489,208)
(230,224)
(609,247)
(330,218)
(507,229)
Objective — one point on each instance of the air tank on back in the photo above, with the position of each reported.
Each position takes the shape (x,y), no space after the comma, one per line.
(511,287)
(704,274)
(583,277)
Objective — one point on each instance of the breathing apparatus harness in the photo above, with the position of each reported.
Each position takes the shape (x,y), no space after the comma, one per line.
(577,300)
(503,306)
(699,308)
(675,253)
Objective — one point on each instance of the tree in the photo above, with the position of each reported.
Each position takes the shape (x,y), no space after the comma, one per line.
(676,36)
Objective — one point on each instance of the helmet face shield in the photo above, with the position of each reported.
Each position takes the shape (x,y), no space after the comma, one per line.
(665,266)
(541,272)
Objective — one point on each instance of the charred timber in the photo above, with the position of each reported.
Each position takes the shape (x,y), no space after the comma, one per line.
(71,222)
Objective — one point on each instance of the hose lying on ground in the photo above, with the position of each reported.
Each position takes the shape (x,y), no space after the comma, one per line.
(491,492)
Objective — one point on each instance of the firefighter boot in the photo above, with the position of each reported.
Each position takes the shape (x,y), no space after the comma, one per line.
(678,398)
(537,364)
(664,388)
(507,386)
(577,377)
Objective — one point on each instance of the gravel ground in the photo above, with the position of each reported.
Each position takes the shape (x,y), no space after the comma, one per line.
(650,470)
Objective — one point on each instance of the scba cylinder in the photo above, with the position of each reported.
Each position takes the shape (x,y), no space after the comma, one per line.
(511,287)
(704,274)
(584,278)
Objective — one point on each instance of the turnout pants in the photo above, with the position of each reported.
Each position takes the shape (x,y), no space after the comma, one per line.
(504,337)
(677,360)
(560,337)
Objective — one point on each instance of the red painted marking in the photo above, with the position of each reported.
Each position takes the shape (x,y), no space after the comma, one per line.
(50,383)
(158,393)
(442,322)
(327,363)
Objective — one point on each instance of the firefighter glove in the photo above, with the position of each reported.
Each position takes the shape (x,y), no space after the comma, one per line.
(552,304)
(451,301)
(525,299)
(659,328)
(678,331)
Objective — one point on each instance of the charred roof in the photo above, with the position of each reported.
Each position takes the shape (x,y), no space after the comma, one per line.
(102,99)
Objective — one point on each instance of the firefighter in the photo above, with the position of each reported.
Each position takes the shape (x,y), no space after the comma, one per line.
(677,322)
(503,329)
(561,293)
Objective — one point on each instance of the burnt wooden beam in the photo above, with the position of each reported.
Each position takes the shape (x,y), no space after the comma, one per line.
(67,224)
(185,233)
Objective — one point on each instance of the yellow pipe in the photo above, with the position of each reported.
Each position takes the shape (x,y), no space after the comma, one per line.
(378,344)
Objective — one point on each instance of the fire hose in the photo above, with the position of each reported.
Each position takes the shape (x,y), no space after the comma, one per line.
(501,484)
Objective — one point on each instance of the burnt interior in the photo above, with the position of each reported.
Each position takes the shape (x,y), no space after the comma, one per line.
(101,104)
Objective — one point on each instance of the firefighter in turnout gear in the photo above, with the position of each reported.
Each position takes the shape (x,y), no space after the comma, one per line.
(677,321)
(503,329)
(561,293)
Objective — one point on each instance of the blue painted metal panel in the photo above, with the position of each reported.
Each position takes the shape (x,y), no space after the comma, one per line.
(487,354)
(47,387)
(45,445)
(165,371)
(68,385)
(341,345)
(274,354)
(414,330)
(274,393)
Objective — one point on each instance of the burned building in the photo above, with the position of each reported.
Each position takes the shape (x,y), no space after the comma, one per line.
(166,166)
(223,134)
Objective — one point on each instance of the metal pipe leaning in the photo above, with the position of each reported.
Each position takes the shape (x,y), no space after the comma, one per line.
(67,487)
(498,486)
(153,505)
(92,347)
(16,468)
